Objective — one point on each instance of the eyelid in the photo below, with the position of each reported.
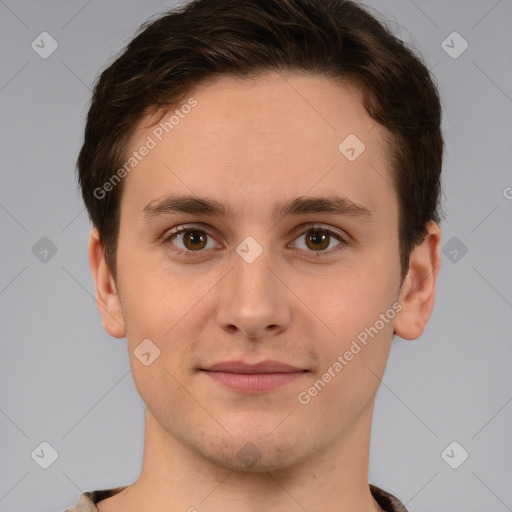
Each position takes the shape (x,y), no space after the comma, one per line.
(338,234)
(170,234)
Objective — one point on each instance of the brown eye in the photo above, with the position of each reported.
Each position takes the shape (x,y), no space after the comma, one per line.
(321,241)
(194,240)
(317,240)
(190,241)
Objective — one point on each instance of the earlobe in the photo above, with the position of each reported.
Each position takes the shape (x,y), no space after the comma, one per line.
(417,295)
(107,296)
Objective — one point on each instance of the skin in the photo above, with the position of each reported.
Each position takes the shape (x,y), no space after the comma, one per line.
(248,143)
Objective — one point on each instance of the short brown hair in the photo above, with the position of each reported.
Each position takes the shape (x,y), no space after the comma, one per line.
(205,38)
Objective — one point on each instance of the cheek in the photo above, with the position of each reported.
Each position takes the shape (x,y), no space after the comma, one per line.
(155,298)
(359,309)
(349,299)
(349,376)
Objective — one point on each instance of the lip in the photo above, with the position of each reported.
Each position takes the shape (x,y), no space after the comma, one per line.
(253,378)
(262,367)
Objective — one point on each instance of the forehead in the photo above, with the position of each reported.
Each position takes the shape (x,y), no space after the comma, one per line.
(245,140)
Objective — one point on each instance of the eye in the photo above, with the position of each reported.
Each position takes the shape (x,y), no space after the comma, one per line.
(319,239)
(190,240)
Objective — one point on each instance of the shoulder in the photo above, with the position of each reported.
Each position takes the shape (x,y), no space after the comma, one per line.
(88,500)
(387,501)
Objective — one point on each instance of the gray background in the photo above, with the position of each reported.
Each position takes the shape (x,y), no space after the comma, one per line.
(65,381)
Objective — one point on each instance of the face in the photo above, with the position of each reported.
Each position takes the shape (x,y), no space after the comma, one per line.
(312,286)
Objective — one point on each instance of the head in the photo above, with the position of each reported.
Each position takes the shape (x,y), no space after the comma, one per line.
(263,95)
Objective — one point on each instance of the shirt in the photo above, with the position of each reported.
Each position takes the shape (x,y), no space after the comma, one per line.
(88,500)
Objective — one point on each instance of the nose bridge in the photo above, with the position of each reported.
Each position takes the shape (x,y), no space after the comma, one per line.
(253,280)
(252,299)
(251,270)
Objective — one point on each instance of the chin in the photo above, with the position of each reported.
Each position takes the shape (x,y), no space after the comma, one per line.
(266,462)
(257,454)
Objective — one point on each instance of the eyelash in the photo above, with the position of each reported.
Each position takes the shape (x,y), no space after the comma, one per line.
(169,236)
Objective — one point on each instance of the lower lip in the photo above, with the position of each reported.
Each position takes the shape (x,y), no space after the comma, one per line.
(254,382)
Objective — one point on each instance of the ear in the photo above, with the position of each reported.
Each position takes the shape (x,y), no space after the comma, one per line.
(418,290)
(107,297)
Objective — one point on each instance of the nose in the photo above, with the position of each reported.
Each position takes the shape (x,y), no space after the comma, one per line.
(253,301)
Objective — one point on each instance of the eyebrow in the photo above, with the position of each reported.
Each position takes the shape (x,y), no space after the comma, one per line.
(194,205)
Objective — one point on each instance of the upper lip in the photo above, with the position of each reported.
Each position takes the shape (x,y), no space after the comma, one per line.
(262,367)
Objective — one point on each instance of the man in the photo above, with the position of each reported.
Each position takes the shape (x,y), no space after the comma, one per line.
(263,178)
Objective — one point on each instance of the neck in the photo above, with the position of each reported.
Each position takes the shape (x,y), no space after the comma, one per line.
(175,477)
